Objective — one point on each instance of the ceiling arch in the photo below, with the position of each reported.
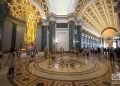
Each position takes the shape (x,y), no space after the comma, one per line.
(97,14)
(109,33)
(81,5)
(18,9)
(42,6)
(115,30)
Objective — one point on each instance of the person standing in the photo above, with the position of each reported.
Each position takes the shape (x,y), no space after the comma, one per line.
(18,53)
(62,50)
(77,52)
(31,51)
(11,62)
(111,53)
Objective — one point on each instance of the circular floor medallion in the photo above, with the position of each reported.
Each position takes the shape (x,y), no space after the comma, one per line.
(87,71)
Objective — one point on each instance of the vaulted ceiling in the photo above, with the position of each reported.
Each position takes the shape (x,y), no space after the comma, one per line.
(97,14)
(19,9)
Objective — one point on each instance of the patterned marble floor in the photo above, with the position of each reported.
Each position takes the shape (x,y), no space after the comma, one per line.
(33,73)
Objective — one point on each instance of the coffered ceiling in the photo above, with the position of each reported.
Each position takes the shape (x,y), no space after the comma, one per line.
(19,8)
(97,14)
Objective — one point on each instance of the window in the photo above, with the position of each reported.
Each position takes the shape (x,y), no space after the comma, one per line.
(61,25)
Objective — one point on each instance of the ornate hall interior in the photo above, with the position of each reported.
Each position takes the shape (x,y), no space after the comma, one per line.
(59,42)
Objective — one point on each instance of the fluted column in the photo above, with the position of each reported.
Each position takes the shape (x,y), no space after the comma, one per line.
(3,13)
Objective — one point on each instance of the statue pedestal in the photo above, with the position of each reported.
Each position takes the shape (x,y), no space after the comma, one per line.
(24,47)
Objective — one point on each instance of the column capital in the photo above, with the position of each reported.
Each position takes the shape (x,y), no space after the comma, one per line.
(52,17)
(45,22)
(83,30)
(78,22)
(71,17)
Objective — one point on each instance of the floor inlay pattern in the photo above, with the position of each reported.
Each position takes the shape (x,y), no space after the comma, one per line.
(29,73)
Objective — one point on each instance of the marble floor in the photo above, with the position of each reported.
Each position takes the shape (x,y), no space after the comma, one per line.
(64,70)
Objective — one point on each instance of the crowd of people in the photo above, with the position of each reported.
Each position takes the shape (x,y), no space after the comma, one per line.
(31,52)
(109,51)
(112,53)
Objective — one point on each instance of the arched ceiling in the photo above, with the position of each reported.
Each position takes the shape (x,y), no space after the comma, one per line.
(19,8)
(109,33)
(97,14)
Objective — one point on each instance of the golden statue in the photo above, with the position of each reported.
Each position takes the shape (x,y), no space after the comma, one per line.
(30,30)
(31,24)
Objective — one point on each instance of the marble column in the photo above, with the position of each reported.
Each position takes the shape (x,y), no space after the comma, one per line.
(3,14)
(71,34)
(92,41)
(13,40)
(81,38)
(116,43)
(102,42)
(44,37)
(83,42)
(79,27)
(87,39)
(52,35)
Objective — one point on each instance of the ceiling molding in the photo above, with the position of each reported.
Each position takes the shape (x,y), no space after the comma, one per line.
(21,8)
(38,6)
(81,6)
(97,14)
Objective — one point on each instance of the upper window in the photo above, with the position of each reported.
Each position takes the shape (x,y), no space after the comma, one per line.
(61,25)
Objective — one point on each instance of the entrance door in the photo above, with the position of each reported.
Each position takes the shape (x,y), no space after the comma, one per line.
(62,40)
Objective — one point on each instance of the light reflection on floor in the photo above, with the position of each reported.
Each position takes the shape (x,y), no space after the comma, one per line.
(25,77)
